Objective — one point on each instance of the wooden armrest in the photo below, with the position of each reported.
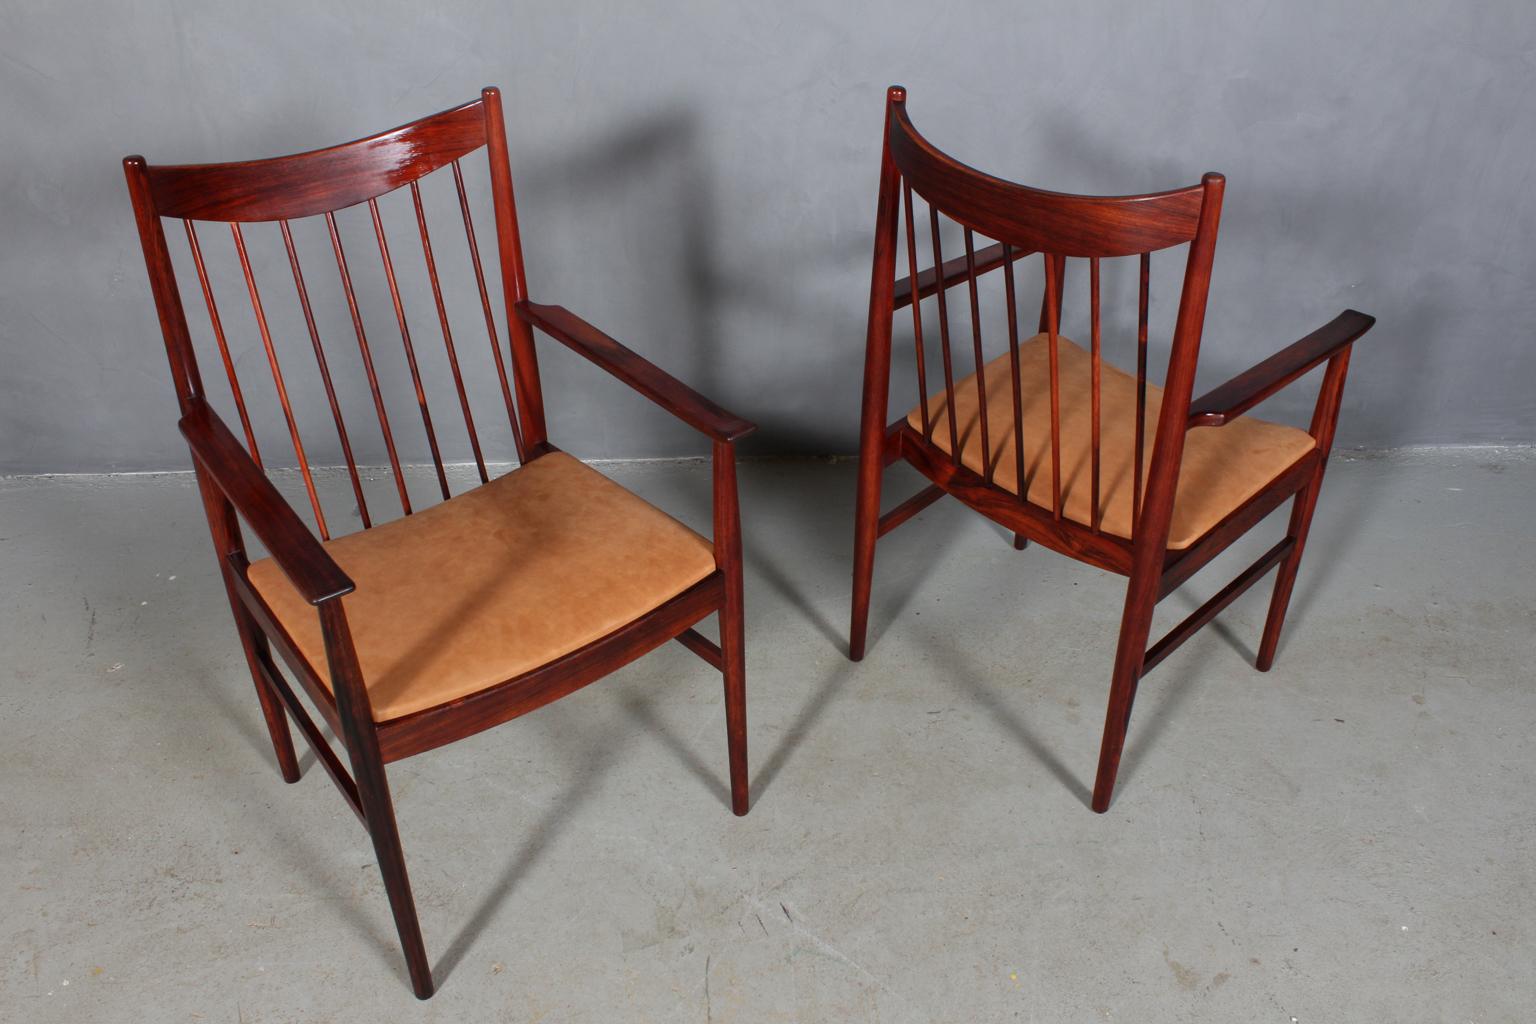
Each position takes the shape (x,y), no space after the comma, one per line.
(636,371)
(1230,400)
(313,573)
(953,272)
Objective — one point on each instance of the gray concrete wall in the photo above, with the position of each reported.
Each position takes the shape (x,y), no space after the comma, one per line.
(699,179)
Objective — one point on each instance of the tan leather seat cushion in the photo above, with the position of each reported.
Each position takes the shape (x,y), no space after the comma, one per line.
(494,582)
(1223,466)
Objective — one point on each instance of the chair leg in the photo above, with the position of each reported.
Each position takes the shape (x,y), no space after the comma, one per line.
(379,810)
(1135,624)
(1020,542)
(1285,580)
(733,654)
(866,531)
(255,646)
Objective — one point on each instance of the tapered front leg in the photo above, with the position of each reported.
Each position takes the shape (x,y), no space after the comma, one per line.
(733,655)
(378,808)
(362,742)
(1325,418)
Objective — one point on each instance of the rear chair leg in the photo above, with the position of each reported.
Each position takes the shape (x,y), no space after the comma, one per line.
(866,531)
(255,645)
(1135,624)
(1020,542)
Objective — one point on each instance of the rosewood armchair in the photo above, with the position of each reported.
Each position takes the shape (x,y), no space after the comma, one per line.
(413,633)
(1052,441)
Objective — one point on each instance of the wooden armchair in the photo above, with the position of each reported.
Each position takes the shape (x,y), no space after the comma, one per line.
(1057,445)
(437,625)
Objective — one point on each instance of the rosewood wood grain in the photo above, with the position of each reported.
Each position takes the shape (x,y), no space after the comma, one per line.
(216,322)
(514,278)
(235,488)
(485,305)
(322,180)
(229,544)
(1151,541)
(1325,418)
(909,508)
(362,743)
(1210,609)
(944,350)
(1037,220)
(1183,564)
(920,358)
(303,560)
(410,349)
(1252,386)
(447,723)
(703,647)
(367,356)
(1023,220)
(635,370)
(325,373)
(314,737)
(442,320)
(988,258)
(988,466)
(278,382)
(875,442)
(733,654)
(1103,550)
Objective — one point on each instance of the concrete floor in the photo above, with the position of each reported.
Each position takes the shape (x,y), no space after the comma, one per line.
(1350,838)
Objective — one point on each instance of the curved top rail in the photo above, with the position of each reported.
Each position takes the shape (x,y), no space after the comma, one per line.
(1054,222)
(319,181)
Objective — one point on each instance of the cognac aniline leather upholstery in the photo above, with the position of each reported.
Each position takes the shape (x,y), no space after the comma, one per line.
(1222,468)
(494,582)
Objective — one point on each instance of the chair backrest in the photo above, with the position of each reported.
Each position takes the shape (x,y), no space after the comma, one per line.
(1022,221)
(318,184)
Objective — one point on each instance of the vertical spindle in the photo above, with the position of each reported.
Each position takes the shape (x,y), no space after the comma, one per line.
(277,378)
(917,315)
(949,374)
(442,319)
(1013,356)
(1052,311)
(1093,289)
(367,354)
(1143,302)
(485,305)
(325,371)
(987,464)
(218,335)
(410,350)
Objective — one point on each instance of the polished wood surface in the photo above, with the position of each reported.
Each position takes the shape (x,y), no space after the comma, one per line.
(1022,221)
(237,493)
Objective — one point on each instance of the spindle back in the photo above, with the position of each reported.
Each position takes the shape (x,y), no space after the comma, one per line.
(1022,221)
(319,184)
